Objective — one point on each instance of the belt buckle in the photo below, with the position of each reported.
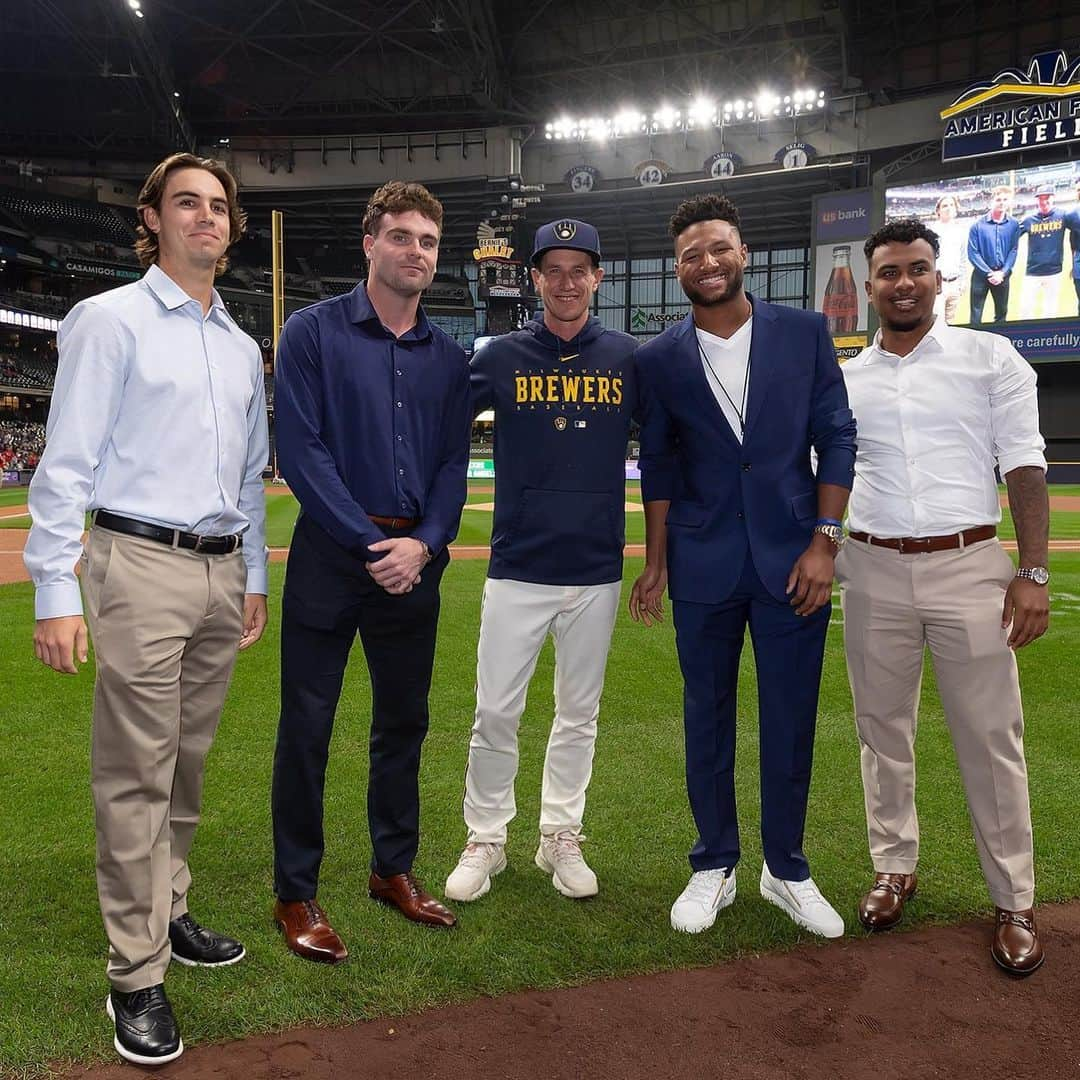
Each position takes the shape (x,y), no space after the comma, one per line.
(910,545)
(199,539)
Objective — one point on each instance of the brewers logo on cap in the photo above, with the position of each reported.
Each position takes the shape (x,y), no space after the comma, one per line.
(560,423)
(566,233)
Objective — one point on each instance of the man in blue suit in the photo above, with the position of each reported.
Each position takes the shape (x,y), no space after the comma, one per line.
(741,531)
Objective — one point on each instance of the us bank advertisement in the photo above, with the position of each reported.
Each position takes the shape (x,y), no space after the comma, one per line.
(841,226)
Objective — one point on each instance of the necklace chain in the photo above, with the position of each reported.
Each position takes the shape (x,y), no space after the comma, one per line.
(739,412)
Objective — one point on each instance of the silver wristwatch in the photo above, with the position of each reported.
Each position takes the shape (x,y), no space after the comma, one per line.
(835,533)
(1039,574)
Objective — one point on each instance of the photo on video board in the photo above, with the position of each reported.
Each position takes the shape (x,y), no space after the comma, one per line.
(1010,242)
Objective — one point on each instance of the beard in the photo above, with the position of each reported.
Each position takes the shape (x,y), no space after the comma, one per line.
(403,284)
(903,321)
(715,298)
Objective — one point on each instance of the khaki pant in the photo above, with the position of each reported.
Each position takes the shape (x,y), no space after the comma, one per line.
(165,625)
(948,300)
(894,606)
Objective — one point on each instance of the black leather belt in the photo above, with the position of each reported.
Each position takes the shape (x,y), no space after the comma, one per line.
(204,545)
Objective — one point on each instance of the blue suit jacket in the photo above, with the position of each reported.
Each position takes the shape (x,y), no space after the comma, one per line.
(762,494)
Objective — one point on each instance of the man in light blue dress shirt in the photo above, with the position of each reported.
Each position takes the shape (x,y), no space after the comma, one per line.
(158,428)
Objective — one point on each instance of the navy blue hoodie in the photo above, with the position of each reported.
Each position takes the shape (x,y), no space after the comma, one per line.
(1046,243)
(562,418)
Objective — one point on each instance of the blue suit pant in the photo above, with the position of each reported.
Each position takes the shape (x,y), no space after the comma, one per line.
(788,653)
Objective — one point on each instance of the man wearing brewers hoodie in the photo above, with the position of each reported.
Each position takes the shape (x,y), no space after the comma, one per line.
(563,391)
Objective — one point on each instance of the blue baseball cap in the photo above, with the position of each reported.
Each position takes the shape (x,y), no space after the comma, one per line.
(566,233)
(1044,189)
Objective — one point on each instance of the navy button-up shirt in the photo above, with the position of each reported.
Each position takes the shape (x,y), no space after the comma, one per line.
(992,245)
(368,423)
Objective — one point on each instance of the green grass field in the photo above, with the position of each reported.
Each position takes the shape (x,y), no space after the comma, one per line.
(524,934)
(281,511)
(1063,307)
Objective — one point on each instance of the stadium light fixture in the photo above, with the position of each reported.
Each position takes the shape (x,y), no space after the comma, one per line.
(698,114)
(701,113)
(665,118)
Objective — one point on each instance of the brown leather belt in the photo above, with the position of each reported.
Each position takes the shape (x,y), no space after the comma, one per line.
(914,545)
(394,522)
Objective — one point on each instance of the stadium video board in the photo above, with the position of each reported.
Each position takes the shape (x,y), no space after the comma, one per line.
(1010,242)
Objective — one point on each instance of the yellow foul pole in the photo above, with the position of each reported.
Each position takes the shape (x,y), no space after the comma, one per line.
(277,227)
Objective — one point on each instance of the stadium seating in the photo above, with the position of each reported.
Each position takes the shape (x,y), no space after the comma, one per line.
(27,371)
(21,444)
(55,215)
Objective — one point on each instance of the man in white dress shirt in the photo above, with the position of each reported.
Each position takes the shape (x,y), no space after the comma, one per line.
(158,429)
(952,261)
(937,407)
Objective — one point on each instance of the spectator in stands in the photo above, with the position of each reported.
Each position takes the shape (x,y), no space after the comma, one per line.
(21,443)
(174,575)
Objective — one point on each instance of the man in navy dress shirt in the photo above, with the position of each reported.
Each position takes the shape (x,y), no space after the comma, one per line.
(372,411)
(993,243)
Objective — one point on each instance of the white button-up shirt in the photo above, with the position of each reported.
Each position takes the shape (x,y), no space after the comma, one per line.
(953,239)
(158,413)
(932,425)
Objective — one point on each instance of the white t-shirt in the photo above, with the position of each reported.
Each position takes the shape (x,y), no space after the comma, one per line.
(727,369)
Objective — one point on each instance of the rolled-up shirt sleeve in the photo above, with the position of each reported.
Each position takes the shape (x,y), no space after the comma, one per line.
(1014,411)
(94,356)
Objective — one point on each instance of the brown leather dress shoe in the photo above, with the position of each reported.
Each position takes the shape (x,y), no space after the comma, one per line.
(883,906)
(1016,946)
(405,893)
(308,932)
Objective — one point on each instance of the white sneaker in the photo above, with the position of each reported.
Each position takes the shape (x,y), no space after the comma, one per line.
(708,892)
(802,900)
(471,878)
(560,856)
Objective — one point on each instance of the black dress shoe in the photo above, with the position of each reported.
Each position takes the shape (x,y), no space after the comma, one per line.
(146,1031)
(196,946)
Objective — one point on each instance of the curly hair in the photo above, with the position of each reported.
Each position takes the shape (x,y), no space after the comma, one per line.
(399,197)
(703,208)
(146,246)
(902,231)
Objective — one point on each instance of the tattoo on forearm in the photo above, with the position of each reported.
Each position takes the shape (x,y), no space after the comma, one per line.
(1030,508)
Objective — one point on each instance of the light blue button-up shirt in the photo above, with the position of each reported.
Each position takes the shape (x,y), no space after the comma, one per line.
(158,413)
